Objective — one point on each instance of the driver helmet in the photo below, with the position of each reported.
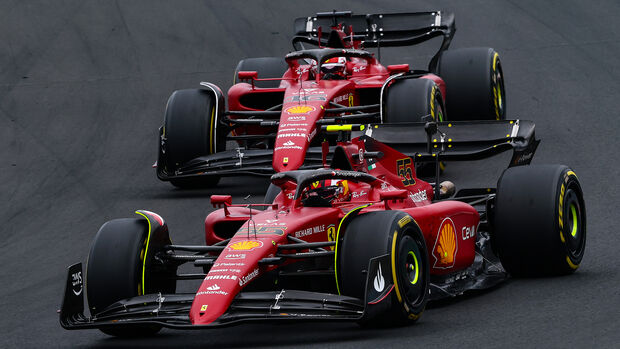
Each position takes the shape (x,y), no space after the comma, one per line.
(335,66)
(326,192)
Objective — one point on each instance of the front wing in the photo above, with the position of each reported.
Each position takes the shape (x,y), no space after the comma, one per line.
(255,162)
(172,310)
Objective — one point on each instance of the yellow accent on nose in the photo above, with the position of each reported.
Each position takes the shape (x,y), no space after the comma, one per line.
(336,128)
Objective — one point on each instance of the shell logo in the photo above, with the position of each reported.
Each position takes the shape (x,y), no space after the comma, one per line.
(446,245)
(300,109)
(245,245)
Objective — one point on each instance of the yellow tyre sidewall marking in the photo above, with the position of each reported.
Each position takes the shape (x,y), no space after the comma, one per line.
(400,298)
(567,175)
(433,102)
(146,249)
(496,88)
(212,140)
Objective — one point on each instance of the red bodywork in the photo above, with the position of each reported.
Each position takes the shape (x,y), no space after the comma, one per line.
(305,95)
(449,227)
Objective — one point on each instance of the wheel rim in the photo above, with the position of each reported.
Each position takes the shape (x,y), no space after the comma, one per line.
(573,222)
(497,81)
(573,213)
(411,270)
(437,109)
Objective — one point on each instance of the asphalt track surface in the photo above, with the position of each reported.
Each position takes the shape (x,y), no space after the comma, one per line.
(83,85)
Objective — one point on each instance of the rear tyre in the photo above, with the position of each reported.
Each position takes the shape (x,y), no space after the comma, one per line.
(386,232)
(540,220)
(411,100)
(190,126)
(474,84)
(114,270)
(266,67)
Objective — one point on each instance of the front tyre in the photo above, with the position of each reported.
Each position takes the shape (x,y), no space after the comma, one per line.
(114,270)
(396,234)
(540,220)
(190,131)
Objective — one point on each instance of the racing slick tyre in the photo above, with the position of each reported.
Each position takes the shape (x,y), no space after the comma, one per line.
(474,84)
(392,233)
(114,270)
(190,131)
(266,67)
(410,100)
(540,220)
(271,193)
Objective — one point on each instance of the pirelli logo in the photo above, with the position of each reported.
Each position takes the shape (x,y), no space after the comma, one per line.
(404,220)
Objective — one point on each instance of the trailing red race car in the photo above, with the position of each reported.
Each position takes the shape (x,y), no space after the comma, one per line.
(363,240)
(277,106)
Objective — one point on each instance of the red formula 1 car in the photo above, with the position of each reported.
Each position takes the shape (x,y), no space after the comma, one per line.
(277,109)
(372,243)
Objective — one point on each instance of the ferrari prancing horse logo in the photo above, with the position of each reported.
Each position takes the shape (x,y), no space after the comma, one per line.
(331,234)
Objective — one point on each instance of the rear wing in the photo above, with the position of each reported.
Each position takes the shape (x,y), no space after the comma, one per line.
(379,30)
(458,141)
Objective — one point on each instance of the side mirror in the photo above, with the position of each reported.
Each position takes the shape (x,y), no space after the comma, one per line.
(397,68)
(248,75)
(219,201)
(400,194)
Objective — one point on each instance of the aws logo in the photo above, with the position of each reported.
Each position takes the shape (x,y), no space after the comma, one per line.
(446,245)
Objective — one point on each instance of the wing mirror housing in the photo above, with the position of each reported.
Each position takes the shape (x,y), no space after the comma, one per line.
(392,195)
(219,201)
(399,194)
(397,68)
(248,75)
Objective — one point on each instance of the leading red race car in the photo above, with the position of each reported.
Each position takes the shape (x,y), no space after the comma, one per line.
(277,106)
(362,240)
